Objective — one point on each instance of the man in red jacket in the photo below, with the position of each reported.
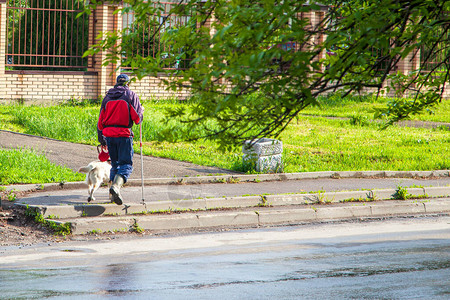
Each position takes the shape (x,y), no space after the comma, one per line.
(120,109)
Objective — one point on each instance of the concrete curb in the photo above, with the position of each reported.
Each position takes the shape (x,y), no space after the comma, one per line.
(241,178)
(258,217)
(109,209)
(267,210)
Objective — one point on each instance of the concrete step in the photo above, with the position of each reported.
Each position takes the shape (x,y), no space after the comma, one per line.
(110,209)
(255,217)
(263,210)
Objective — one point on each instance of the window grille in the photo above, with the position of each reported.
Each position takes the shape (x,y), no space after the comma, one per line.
(149,43)
(46,34)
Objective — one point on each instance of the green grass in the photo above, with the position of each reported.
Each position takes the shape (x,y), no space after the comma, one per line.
(311,143)
(364,106)
(318,144)
(72,124)
(27,166)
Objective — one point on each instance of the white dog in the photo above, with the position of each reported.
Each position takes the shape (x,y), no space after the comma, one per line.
(96,173)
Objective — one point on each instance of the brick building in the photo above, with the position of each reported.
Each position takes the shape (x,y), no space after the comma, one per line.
(39,81)
(37,85)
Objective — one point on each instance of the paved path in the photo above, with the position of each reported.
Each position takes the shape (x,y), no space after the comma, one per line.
(75,156)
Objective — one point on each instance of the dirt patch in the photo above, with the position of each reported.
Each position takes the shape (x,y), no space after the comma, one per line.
(17,230)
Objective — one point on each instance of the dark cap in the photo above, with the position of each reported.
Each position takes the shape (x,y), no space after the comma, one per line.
(122,79)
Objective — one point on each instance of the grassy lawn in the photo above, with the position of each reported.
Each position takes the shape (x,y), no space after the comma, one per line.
(27,166)
(364,106)
(311,143)
(317,144)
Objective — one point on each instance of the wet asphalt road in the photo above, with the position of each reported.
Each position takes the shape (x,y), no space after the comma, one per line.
(406,258)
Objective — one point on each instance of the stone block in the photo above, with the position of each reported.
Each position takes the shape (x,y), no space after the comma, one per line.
(287,216)
(441,173)
(236,218)
(263,147)
(154,206)
(384,194)
(281,200)
(228,202)
(437,191)
(59,212)
(416,192)
(167,222)
(397,209)
(188,204)
(83,226)
(437,206)
(265,154)
(348,212)
(342,196)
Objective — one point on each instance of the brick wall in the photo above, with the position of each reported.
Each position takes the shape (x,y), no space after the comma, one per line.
(49,87)
(41,87)
(152,87)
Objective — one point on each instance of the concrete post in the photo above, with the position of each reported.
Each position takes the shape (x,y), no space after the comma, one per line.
(118,26)
(103,20)
(407,64)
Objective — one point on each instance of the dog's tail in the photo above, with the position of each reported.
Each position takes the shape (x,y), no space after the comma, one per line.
(85,169)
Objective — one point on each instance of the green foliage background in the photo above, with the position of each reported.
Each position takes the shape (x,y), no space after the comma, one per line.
(248,84)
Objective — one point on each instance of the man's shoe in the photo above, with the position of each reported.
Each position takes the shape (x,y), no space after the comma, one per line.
(114,190)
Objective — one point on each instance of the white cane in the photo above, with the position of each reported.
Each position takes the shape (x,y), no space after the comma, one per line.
(142,162)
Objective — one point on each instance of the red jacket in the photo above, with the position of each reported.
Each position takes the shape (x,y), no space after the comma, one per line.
(120,108)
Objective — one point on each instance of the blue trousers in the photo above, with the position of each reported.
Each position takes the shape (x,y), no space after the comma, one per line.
(121,154)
